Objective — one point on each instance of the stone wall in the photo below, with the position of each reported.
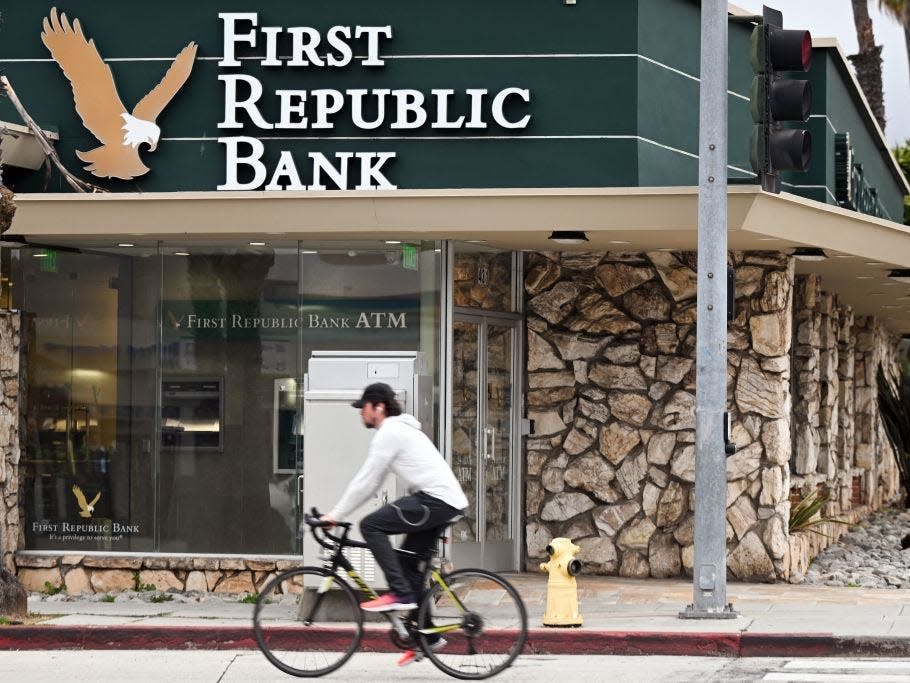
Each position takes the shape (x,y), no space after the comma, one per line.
(611,380)
(9,438)
(839,448)
(82,574)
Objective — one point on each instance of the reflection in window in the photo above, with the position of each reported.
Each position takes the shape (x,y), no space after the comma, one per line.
(161,382)
(483,278)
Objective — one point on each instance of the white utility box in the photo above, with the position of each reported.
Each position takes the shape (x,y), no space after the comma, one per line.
(335,442)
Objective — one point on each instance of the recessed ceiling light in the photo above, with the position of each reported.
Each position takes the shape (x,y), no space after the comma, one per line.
(568,237)
(309,251)
(809,254)
(125,244)
(843,256)
(476,241)
(890,306)
(863,277)
(768,239)
(874,263)
(619,242)
(666,249)
(393,241)
(257,244)
(181,253)
(40,254)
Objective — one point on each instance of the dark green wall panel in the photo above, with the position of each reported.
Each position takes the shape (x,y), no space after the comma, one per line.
(614,88)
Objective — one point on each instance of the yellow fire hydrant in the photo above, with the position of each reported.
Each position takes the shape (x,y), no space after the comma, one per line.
(562,591)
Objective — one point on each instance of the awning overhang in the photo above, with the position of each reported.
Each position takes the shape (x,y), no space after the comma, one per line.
(862,249)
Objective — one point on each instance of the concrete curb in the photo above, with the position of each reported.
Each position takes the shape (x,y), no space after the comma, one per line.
(540,641)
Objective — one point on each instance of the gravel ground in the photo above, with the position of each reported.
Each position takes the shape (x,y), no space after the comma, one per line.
(869,555)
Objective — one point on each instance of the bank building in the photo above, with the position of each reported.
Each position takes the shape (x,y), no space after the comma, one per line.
(492,207)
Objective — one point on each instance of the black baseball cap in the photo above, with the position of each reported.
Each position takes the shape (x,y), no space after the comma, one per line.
(375,393)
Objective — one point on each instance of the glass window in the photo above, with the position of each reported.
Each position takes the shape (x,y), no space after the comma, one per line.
(483,277)
(89,366)
(371,296)
(161,382)
(228,333)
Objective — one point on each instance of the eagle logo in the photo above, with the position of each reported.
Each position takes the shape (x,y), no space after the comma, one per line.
(85,508)
(100,107)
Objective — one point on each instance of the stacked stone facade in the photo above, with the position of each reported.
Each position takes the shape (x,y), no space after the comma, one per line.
(611,391)
(84,574)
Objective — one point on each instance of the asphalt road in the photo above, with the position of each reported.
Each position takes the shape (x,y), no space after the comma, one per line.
(229,666)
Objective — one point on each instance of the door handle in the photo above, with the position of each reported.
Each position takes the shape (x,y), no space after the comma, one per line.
(489,448)
(300,492)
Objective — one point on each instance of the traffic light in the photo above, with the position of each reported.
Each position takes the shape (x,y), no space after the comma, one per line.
(776,99)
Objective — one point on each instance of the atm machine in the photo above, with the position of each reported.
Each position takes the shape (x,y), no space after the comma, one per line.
(335,441)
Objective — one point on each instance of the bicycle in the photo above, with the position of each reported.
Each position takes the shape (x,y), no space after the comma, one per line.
(308,622)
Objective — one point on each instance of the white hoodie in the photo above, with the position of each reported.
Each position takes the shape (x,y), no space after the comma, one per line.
(400,447)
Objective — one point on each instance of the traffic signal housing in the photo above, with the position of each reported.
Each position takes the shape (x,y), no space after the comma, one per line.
(776,99)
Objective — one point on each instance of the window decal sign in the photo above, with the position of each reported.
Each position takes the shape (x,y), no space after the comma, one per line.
(85,508)
(100,107)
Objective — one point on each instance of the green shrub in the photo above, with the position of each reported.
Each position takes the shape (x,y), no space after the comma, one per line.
(806,514)
(51,589)
(139,587)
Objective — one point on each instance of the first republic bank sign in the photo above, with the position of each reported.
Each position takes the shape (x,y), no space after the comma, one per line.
(318,110)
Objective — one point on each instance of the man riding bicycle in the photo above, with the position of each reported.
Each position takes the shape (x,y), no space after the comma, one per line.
(434,498)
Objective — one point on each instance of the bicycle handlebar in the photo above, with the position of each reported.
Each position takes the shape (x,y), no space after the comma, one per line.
(315,523)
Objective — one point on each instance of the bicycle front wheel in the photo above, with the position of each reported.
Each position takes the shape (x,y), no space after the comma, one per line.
(482,620)
(307,621)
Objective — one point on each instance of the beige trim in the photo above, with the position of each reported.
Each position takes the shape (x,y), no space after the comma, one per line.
(615,219)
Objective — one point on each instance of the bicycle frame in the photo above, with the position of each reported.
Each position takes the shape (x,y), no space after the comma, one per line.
(338,560)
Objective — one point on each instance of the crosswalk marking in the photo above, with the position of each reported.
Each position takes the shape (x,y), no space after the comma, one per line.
(844,678)
(842,670)
(847,664)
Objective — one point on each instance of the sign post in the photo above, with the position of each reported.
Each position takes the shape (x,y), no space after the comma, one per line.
(710,569)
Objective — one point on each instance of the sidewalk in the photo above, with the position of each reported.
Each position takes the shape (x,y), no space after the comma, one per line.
(621,616)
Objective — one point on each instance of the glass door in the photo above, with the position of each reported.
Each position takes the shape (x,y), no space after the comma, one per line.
(483,438)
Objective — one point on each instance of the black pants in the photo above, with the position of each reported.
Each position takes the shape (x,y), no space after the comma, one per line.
(420,516)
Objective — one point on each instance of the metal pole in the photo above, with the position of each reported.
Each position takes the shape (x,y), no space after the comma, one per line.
(710,569)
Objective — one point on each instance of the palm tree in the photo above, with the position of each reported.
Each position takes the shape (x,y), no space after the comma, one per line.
(868,61)
(900,10)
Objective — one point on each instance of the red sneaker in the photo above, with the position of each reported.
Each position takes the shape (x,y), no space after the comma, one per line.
(409,657)
(388,603)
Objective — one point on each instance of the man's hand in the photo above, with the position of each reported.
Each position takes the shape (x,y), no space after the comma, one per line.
(328,520)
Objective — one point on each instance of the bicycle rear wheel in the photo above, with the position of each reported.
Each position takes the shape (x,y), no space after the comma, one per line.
(482,619)
(307,621)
